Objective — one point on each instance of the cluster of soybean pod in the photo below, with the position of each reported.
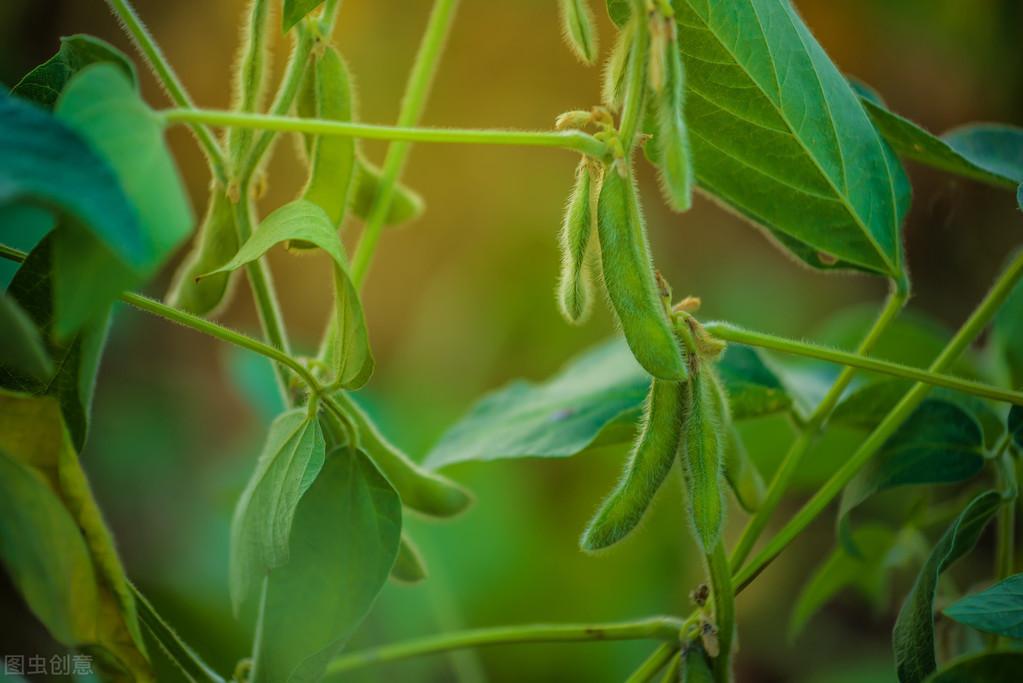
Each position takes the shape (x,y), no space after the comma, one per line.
(603,234)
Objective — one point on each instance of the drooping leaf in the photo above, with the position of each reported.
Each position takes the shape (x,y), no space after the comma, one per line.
(998,609)
(913,635)
(348,352)
(778,134)
(296,10)
(344,541)
(44,83)
(21,347)
(32,432)
(990,667)
(260,529)
(939,443)
(75,360)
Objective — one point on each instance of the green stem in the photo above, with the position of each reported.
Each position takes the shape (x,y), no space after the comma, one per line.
(654,663)
(654,628)
(165,74)
(976,323)
(257,639)
(724,610)
(413,102)
(808,432)
(1005,545)
(932,376)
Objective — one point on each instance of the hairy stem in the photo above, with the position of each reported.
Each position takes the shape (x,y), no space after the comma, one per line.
(932,376)
(169,80)
(808,432)
(724,610)
(654,628)
(654,663)
(969,331)
(412,104)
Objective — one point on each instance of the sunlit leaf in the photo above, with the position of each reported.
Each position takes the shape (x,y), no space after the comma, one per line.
(291,459)
(344,542)
(913,635)
(998,609)
(990,667)
(44,83)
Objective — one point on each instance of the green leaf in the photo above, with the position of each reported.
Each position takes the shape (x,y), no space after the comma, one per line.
(22,226)
(295,11)
(1015,423)
(101,104)
(291,459)
(76,359)
(344,542)
(1007,336)
(999,609)
(940,443)
(347,349)
(991,667)
(594,400)
(33,433)
(913,635)
(177,650)
(997,149)
(778,134)
(619,11)
(21,348)
(44,83)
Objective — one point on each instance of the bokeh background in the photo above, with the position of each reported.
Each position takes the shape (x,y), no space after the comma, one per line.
(461,301)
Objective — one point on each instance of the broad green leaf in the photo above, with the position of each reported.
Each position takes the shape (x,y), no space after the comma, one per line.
(102,106)
(75,360)
(1015,423)
(21,347)
(913,635)
(44,83)
(778,134)
(347,341)
(291,459)
(594,400)
(45,556)
(296,10)
(990,667)
(939,443)
(344,542)
(33,433)
(998,149)
(999,609)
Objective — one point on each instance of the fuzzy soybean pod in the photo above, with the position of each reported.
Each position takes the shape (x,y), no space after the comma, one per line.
(702,456)
(672,136)
(696,666)
(652,457)
(216,244)
(332,157)
(579,30)
(575,290)
(629,279)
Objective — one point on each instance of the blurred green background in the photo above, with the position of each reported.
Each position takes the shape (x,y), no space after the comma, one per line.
(461,301)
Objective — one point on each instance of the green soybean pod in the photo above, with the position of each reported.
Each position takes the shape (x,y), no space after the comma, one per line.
(332,160)
(612,90)
(703,457)
(408,566)
(406,204)
(672,137)
(696,666)
(652,457)
(743,476)
(419,489)
(574,285)
(578,29)
(217,243)
(630,282)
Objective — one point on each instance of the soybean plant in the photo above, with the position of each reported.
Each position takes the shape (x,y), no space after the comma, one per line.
(734,98)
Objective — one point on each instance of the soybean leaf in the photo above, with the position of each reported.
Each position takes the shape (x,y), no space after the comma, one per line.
(344,542)
(1007,337)
(75,360)
(45,556)
(295,11)
(44,83)
(1015,423)
(348,352)
(177,650)
(778,134)
(913,635)
(33,433)
(998,149)
(21,347)
(999,609)
(619,11)
(22,226)
(594,400)
(990,667)
(939,443)
(291,459)
(102,105)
